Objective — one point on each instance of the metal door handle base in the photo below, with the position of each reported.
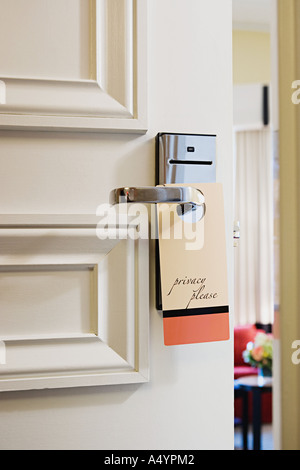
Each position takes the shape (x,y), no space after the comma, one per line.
(158,195)
(189,199)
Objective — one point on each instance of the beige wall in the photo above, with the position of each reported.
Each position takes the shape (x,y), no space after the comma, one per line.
(251,57)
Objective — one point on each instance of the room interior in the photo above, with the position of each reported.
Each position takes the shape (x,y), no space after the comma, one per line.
(256,199)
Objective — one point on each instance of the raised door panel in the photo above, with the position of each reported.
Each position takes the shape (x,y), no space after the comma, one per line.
(74,304)
(74,65)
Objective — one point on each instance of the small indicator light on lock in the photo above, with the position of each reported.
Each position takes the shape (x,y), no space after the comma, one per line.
(191,149)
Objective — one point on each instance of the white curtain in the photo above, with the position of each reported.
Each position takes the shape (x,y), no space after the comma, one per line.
(254,275)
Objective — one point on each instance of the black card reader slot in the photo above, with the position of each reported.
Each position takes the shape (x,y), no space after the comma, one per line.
(189,162)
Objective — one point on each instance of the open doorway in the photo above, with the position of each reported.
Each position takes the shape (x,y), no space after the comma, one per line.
(256,214)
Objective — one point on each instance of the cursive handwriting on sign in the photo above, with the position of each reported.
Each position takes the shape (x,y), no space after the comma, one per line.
(197,291)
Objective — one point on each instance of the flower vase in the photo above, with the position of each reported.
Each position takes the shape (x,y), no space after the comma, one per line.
(265,372)
(264,375)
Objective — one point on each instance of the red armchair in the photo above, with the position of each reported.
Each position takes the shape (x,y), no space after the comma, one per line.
(242,336)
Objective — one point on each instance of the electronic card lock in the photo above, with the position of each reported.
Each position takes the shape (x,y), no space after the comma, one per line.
(180,159)
(191,288)
(183,158)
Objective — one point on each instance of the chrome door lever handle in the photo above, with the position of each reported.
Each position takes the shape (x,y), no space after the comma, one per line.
(188,198)
(158,195)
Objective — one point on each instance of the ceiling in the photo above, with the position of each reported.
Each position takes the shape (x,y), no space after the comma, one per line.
(252,14)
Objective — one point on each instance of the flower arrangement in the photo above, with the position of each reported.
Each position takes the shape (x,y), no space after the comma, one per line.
(260,352)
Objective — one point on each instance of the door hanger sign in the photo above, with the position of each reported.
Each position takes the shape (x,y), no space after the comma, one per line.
(193,267)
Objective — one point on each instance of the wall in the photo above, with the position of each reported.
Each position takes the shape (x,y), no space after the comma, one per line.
(251,57)
(188,403)
(251,70)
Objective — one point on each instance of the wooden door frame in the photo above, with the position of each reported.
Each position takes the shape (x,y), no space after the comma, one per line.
(289,157)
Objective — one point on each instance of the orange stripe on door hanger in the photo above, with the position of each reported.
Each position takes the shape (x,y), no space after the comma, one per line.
(201,328)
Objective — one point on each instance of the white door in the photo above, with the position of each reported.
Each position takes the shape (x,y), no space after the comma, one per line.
(76,76)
